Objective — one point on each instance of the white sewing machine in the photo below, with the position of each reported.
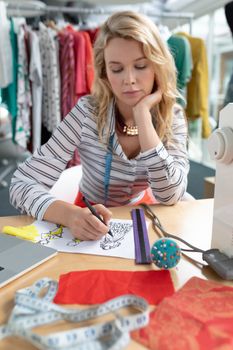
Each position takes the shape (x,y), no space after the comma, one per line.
(220,146)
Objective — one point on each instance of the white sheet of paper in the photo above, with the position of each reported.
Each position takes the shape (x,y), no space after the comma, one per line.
(120,245)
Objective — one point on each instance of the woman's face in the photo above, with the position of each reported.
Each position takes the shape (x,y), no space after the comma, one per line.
(130,74)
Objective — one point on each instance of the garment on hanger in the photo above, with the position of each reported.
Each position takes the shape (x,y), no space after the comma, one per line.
(50,73)
(9,93)
(89,61)
(198,86)
(229,93)
(51,112)
(24,99)
(181,51)
(6,70)
(67,71)
(35,75)
(229,15)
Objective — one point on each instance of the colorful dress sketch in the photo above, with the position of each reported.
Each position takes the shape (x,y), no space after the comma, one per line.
(121,244)
(55,233)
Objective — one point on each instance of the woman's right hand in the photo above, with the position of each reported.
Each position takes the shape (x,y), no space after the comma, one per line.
(81,222)
(85,226)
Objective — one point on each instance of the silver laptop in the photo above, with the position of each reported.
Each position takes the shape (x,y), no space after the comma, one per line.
(18,256)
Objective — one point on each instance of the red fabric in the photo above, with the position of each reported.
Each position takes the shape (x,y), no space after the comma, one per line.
(75,160)
(147,198)
(89,62)
(197,317)
(98,286)
(93,34)
(80,52)
(79,202)
(67,71)
(217,334)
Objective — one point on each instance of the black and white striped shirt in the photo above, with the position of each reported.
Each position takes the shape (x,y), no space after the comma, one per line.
(163,168)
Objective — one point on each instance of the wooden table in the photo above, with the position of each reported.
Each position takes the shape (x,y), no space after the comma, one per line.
(191,220)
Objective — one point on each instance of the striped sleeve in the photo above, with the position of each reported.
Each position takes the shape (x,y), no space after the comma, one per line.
(30,184)
(168,163)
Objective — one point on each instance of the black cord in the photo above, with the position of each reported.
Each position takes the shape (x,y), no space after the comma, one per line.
(158,225)
(194,249)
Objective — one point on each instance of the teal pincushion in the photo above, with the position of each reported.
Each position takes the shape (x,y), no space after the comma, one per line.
(165,253)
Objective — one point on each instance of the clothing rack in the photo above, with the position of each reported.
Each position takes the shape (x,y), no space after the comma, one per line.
(43,8)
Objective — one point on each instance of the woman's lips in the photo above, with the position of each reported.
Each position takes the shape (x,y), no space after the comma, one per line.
(131,93)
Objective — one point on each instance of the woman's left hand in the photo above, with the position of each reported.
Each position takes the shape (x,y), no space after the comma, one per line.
(149,101)
(148,137)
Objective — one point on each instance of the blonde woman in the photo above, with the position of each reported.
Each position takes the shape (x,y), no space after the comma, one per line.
(130,134)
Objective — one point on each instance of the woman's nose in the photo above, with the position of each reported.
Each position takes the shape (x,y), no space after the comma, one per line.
(129,78)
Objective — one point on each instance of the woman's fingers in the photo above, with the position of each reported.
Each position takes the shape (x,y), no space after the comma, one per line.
(87,226)
(154,98)
(104,212)
(148,101)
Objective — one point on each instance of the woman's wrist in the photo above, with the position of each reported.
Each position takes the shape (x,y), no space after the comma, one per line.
(60,212)
(140,109)
(142,116)
(148,137)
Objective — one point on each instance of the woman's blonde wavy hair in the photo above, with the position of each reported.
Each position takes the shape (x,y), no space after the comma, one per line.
(131,25)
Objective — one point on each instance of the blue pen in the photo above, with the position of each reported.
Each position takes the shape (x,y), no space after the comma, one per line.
(94,212)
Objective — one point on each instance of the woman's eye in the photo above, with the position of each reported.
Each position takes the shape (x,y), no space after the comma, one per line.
(118,70)
(140,67)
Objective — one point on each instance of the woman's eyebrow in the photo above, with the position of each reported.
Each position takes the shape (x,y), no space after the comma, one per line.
(137,59)
(114,62)
(140,58)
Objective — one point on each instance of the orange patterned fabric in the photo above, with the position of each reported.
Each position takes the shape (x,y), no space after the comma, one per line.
(197,317)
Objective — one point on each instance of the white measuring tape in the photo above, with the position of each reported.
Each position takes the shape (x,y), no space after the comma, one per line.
(31,310)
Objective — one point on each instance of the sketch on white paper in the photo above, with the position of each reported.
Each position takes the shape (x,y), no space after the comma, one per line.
(74,242)
(60,238)
(119,230)
(48,236)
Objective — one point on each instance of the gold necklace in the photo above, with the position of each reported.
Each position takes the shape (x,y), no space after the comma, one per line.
(129,130)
